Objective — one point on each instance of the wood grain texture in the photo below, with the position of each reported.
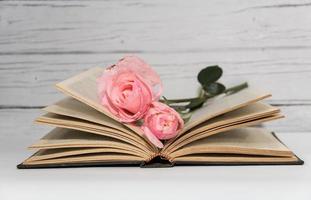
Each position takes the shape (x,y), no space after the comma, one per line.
(266,42)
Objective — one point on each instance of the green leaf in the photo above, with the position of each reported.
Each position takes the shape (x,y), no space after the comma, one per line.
(209,75)
(215,88)
(195,103)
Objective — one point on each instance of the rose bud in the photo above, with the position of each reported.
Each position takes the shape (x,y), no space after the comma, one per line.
(161,122)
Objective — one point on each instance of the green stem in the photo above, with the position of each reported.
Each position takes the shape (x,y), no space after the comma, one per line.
(205,95)
(236,88)
(178,100)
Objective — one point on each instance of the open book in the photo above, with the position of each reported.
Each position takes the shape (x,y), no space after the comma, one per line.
(222,132)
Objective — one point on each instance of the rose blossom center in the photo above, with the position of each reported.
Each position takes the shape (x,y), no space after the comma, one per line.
(129,99)
(166,123)
(126,91)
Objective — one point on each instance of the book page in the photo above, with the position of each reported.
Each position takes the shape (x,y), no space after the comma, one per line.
(247,113)
(248,141)
(223,159)
(60,138)
(67,145)
(225,103)
(100,158)
(73,108)
(83,87)
(246,123)
(252,111)
(239,124)
(48,154)
(82,125)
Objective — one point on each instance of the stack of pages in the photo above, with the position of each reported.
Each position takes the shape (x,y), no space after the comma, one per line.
(222,132)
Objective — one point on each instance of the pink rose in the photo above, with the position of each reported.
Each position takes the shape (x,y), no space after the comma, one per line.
(128,88)
(161,123)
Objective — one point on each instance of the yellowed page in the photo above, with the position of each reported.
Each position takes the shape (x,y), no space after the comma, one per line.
(47,154)
(225,103)
(61,138)
(230,159)
(217,130)
(254,110)
(74,108)
(246,113)
(249,141)
(76,124)
(101,157)
(83,87)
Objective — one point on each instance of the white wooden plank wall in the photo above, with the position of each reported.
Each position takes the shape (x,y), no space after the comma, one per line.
(265,42)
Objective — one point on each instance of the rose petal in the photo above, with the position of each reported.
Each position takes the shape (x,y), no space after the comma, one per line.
(162,121)
(152,138)
(123,92)
(142,69)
